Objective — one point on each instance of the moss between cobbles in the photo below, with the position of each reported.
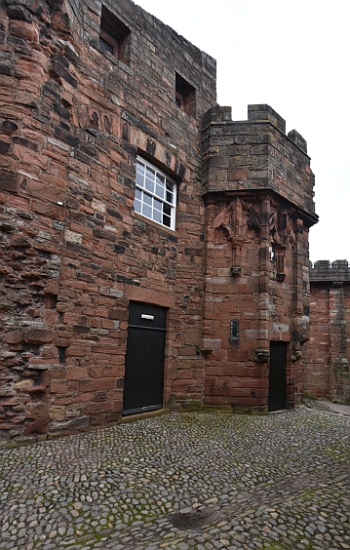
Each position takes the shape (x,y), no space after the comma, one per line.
(189,406)
(247,411)
(157,449)
(197,406)
(192,406)
(20,442)
(144,415)
(338,453)
(217,409)
(341,401)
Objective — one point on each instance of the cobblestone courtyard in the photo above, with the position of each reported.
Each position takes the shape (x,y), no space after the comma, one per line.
(183,482)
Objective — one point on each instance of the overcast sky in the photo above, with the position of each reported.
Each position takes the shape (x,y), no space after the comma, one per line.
(294,56)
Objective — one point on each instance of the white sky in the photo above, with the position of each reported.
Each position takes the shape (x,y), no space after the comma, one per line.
(294,56)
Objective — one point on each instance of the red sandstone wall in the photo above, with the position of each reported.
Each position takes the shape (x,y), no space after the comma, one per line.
(316,371)
(326,365)
(245,164)
(74,253)
(265,308)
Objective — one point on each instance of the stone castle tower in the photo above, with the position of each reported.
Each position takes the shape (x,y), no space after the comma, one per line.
(258,192)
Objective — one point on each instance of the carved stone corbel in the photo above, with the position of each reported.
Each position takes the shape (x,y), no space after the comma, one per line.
(262,355)
(236,271)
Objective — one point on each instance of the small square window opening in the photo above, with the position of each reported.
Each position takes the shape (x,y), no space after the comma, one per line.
(155,194)
(114,36)
(185,96)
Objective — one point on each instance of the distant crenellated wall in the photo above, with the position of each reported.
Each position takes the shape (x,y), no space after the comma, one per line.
(324,270)
(326,361)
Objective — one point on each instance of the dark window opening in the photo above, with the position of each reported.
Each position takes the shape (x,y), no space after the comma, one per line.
(234,334)
(272,252)
(185,96)
(114,36)
(284,222)
(107,44)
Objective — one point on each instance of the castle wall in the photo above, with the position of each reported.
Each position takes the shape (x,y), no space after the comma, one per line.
(73,119)
(326,364)
(88,94)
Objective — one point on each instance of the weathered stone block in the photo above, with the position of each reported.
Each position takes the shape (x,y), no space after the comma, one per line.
(25,30)
(57,413)
(9,181)
(96,384)
(118,314)
(37,336)
(14,337)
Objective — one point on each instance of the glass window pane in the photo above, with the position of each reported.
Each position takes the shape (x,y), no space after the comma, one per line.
(169,192)
(150,173)
(138,194)
(166,220)
(139,179)
(160,191)
(147,199)
(157,216)
(150,185)
(157,204)
(147,211)
(166,209)
(137,206)
(140,168)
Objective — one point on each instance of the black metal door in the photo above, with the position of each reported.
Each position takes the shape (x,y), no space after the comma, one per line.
(144,361)
(277,376)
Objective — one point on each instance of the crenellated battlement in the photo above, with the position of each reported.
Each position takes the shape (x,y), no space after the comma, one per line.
(229,146)
(256,113)
(324,270)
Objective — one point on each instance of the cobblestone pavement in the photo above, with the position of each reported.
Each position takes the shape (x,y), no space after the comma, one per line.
(327,406)
(183,482)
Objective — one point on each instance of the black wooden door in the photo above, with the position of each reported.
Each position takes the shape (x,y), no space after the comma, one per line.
(277,376)
(144,361)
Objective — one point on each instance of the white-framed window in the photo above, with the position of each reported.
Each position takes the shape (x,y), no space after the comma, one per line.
(155,194)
